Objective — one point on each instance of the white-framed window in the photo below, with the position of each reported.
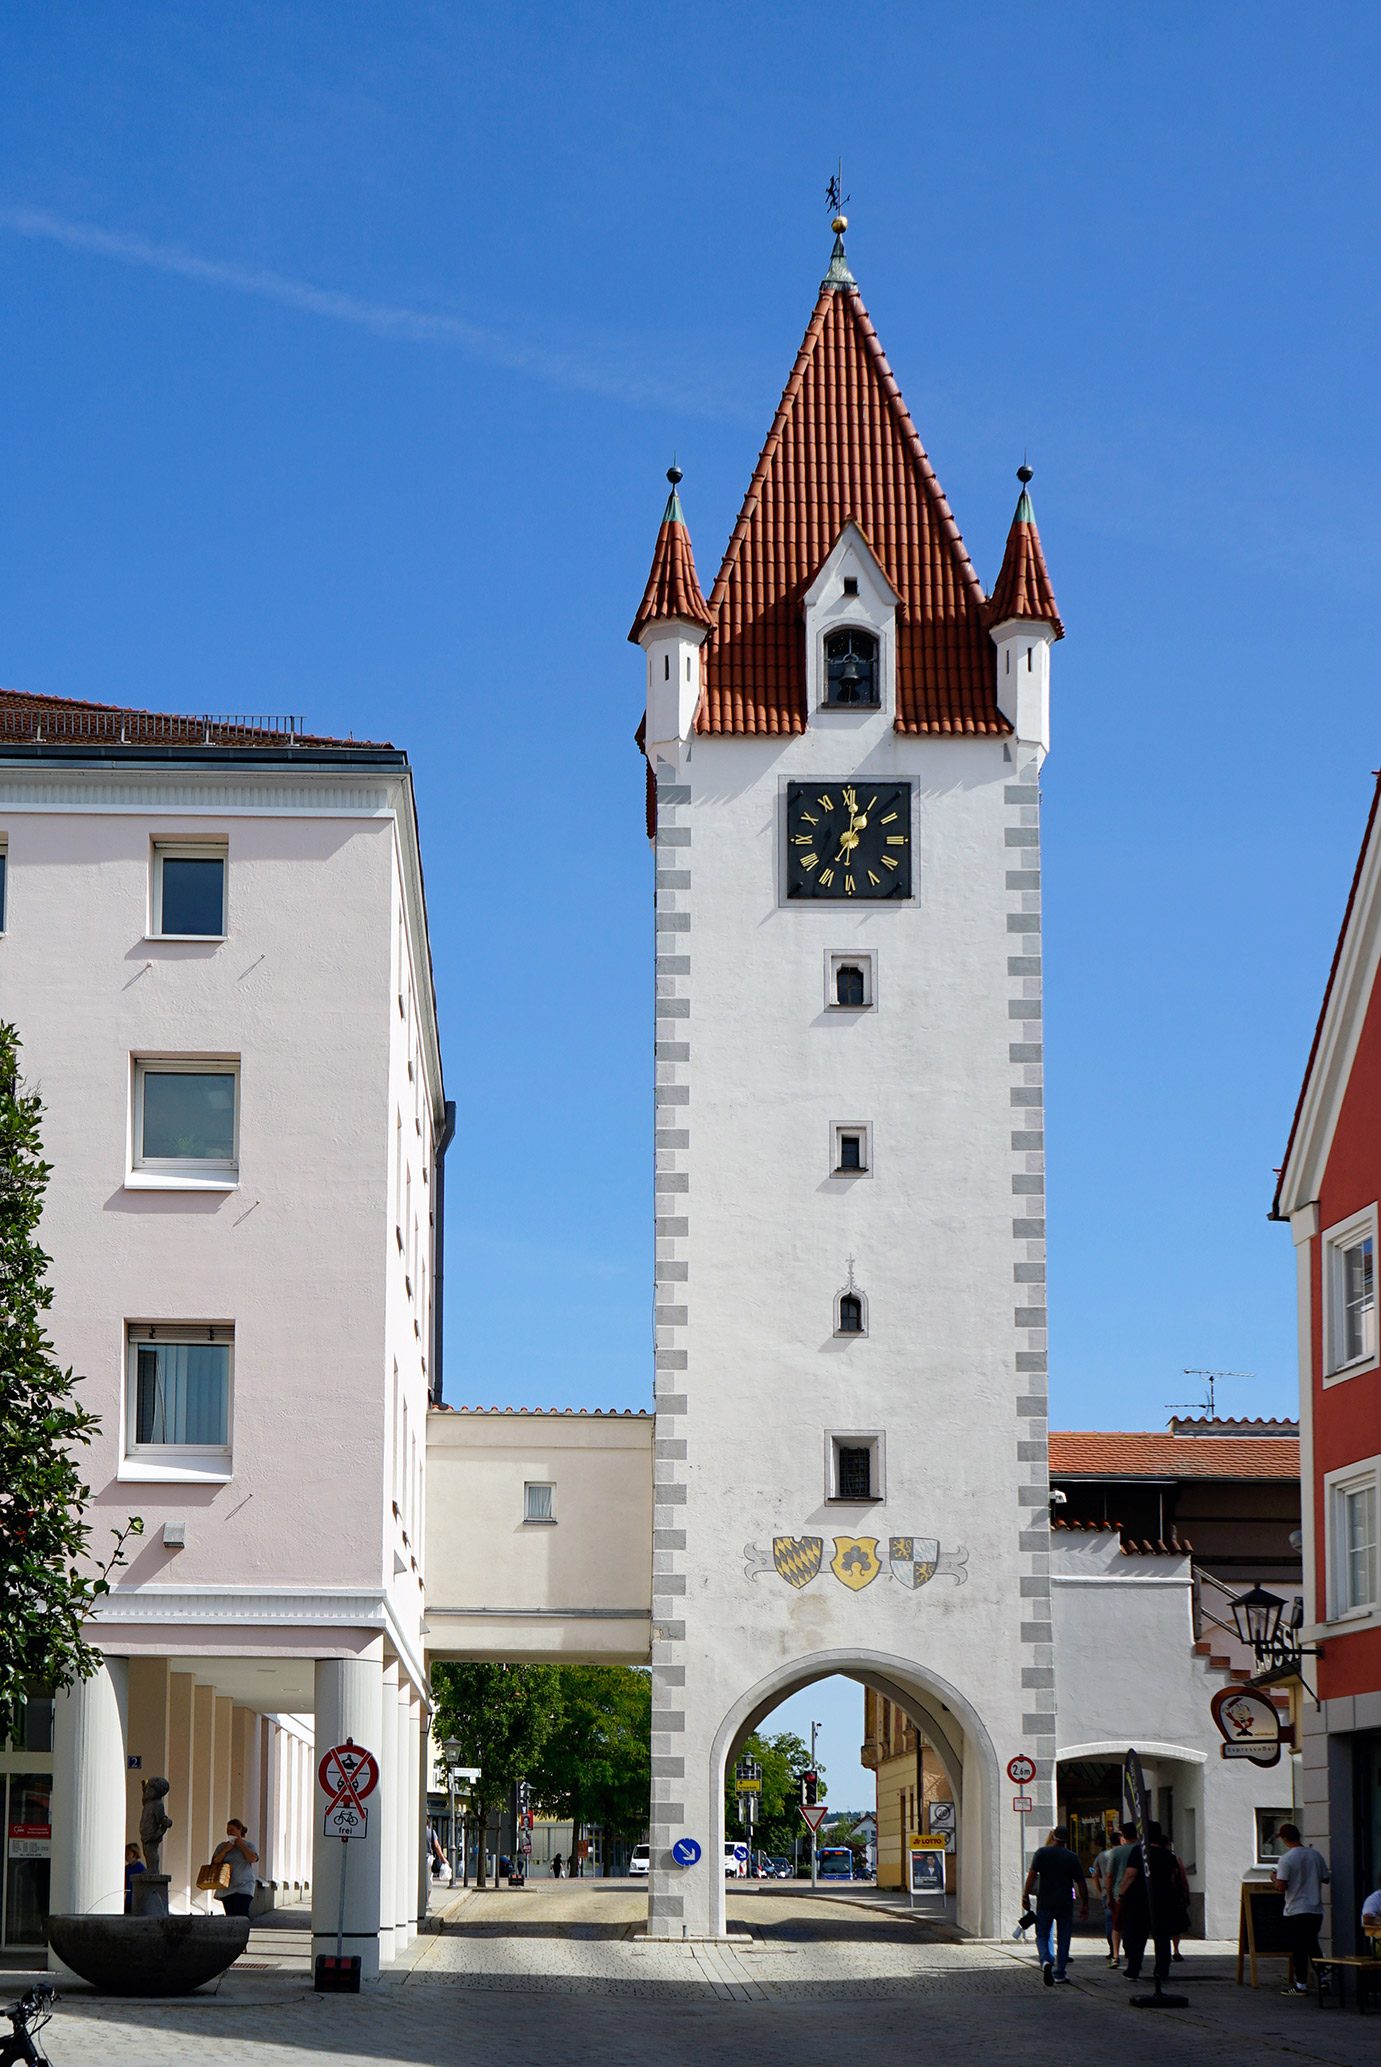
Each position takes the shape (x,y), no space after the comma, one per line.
(538,1501)
(1269,1844)
(851,1149)
(850,980)
(1349,1295)
(1352,1499)
(854,1465)
(188,892)
(185,1124)
(178,1384)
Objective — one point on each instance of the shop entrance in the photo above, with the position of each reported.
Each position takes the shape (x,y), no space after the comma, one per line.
(26,1827)
(1090,1805)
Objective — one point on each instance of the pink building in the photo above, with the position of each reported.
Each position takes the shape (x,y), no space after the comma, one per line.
(214,946)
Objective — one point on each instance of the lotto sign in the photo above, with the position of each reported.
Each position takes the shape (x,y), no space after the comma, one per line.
(1021,1769)
(347,1775)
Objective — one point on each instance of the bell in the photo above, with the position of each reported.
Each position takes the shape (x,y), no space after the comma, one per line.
(851,674)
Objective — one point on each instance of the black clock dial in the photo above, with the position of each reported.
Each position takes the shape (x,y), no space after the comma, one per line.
(848,839)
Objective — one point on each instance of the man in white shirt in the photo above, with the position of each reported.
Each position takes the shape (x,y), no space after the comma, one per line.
(1303,1874)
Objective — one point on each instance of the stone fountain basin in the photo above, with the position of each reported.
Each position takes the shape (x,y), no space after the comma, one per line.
(148,1955)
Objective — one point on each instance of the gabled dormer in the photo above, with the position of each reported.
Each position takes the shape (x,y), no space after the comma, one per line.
(850,613)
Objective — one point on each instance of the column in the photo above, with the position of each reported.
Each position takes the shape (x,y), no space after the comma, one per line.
(178,1862)
(409,1822)
(349,1698)
(88,1874)
(204,1833)
(386,1807)
(224,1806)
(272,1847)
(147,1735)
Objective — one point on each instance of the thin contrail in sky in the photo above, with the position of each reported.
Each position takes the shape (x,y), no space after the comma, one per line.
(385,319)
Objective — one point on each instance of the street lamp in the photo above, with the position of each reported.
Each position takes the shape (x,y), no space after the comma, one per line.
(1256,1616)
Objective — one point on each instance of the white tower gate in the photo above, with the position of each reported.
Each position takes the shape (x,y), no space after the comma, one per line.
(850,1468)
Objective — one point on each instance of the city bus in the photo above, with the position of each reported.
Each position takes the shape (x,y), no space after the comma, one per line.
(834,1862)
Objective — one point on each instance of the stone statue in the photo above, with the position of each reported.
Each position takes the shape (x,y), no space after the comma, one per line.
(154,1823)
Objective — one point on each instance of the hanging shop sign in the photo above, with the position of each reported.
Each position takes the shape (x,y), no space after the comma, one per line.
(1249,1723)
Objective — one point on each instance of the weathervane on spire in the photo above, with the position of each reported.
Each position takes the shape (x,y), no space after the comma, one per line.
(838,275)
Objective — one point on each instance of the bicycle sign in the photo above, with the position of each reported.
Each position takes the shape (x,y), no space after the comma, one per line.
(347,1774)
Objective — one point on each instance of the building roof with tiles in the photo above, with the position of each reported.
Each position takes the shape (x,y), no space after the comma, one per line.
(29,720)
(843,448)
(1159,1454)
(673,586)
(1023,588)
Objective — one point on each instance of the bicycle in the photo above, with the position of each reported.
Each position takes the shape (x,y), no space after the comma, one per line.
(27,2016)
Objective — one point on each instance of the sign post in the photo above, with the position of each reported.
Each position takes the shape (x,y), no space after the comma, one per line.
(347,1776)
(748,1783)
(1021,1770)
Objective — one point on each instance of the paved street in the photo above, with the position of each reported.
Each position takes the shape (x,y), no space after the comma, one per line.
(560,1973)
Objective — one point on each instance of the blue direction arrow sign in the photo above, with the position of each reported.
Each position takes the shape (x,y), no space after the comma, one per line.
(685,1851)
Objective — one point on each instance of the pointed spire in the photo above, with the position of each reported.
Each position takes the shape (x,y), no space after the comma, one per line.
(673,587)
(1023,589)
(839,275)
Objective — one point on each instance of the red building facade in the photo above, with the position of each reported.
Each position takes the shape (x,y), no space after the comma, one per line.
(1328,1191)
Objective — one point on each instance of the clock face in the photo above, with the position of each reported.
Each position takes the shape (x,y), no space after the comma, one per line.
(848,839)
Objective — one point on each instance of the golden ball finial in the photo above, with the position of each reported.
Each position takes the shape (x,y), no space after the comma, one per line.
(839,225)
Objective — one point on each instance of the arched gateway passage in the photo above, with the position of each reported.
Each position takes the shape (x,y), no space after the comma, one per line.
(950,1723)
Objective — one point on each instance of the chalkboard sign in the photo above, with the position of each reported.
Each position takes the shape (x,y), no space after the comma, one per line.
(1261,1927)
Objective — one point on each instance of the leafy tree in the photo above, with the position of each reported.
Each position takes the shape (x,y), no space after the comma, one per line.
(48,1580)
(502,1717)
(785,1759)
(596,1766)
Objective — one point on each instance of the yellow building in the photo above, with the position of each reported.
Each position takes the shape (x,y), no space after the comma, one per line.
(913,1794)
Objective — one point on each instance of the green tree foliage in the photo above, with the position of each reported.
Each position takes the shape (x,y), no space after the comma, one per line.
(49,1582)
(502,1717)
(596,1766)
(784,1759)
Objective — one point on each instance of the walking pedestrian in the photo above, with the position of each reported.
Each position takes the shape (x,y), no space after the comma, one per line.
(1156,1909)
(1106,1888)
(243,1858)
(556,1865)
(1303,1873)
(1054,1874)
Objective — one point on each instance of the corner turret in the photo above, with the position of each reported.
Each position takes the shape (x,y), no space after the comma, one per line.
(671,626)
(1024,625)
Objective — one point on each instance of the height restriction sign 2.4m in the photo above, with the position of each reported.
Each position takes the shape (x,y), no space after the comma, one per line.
(348,1775)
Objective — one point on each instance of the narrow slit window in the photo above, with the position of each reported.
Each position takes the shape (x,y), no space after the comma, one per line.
(850,1314)
(849,986)
(851,1152)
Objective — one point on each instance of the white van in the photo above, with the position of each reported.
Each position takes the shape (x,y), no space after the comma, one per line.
(735,1866)
(641,1861)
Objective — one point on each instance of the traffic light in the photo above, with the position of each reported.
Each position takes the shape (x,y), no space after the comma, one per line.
(810,1789)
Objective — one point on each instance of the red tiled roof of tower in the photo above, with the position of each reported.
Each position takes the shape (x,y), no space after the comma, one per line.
(673,586)
(843,447)
(28,719)
(1023,586)
(1084,1453)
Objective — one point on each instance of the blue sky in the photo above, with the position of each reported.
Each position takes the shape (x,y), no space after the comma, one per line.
(344,348)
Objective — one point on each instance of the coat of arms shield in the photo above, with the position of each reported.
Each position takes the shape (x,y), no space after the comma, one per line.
(855,1562)
(913,1558)
(797,1558)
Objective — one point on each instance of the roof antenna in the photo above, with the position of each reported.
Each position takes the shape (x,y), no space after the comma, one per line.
(1210,1405)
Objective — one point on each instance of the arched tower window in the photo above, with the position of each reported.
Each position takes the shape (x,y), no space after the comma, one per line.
(851,669)
(850,1314)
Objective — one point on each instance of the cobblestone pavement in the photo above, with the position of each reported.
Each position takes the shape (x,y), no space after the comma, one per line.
(561,1973)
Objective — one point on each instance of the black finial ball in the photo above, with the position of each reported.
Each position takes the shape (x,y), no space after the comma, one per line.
(1025,473)
(675,476)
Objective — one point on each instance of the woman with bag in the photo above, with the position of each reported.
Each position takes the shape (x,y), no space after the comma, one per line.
(239,1856)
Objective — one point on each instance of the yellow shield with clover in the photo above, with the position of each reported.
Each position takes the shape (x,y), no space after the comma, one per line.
(855,1562)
